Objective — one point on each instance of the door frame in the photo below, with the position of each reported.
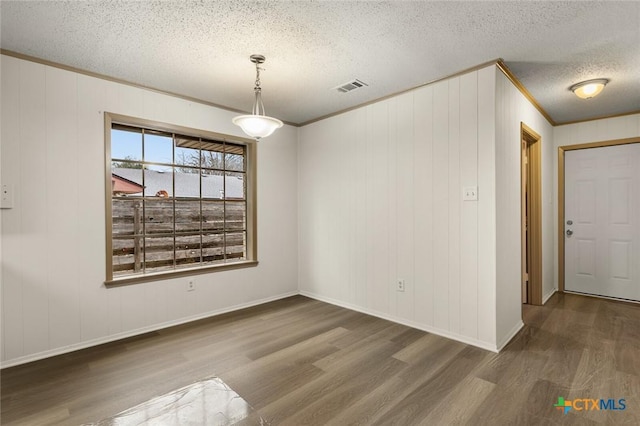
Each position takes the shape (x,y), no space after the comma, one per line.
(561,150)
(529,138)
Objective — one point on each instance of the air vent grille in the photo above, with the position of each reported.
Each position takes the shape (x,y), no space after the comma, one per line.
(351,85)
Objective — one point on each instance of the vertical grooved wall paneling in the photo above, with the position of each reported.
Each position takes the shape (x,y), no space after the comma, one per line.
(91,203)
(405,209)
(414,153)
(12,278)
(358,266)
(423,205)
(35,194)
(61,210)
(455,201)
(441,219)
(469,210)
(53,239)
(486,295)
(377,211)
(391,204)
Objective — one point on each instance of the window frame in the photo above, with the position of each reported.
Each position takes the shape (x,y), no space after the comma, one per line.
(251,201)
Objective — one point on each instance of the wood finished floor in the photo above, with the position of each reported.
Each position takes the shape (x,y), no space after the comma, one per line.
(299,361)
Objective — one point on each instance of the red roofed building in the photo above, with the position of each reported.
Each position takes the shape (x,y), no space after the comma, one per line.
(121,186)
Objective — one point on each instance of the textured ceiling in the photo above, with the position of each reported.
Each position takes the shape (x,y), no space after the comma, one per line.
(201,48)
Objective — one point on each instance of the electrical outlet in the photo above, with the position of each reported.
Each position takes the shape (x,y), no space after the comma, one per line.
(6,196)
(400,285)
(191,284)
(470,193)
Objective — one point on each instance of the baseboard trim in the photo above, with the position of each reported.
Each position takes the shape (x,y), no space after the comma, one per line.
(546,298)
(598,296)
(136,332)
(112,338)
(510,335)
(434,330)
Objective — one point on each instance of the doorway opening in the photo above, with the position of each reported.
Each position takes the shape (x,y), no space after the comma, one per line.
(531,214)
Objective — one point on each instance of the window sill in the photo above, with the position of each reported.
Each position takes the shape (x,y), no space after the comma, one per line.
(145,278)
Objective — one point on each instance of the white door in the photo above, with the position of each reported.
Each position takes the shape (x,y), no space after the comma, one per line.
(602,221)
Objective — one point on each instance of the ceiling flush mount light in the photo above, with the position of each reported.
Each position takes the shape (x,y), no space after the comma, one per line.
(590,88)
(257,125)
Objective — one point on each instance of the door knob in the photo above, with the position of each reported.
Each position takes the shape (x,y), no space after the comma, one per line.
(569,232)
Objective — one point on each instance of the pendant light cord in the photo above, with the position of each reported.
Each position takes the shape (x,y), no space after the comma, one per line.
(258,106)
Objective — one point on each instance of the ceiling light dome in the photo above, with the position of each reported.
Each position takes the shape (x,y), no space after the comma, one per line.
(257,124)
(590,88)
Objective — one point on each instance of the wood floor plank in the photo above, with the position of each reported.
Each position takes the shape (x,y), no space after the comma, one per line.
(418,404)
(323,410)
(44,418)
(368,409)
(432,359)
(415,351)
(262,386)
(624,385)
(472,391)
(356,362)
(563,360)
(305,330)
(594,369)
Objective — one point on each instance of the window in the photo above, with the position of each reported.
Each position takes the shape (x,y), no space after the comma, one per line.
(179,200)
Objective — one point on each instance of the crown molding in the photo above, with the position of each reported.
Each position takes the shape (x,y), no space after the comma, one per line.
(499,62)
(121,81)
(507,72)
(457,74)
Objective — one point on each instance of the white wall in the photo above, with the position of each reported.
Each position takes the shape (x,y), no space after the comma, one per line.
(53,240)
(513,109)
(587,132)
(381,198)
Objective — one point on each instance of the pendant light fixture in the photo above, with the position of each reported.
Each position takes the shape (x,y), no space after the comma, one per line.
(257,125)
(590,88)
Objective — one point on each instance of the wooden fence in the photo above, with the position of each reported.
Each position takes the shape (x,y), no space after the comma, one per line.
(144,237)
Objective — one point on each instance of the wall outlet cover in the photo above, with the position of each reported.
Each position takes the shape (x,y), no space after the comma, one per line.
(470,193)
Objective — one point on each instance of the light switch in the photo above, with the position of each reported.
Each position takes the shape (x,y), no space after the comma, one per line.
(470,193)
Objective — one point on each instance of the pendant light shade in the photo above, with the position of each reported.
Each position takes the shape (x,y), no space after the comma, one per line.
(257,124)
